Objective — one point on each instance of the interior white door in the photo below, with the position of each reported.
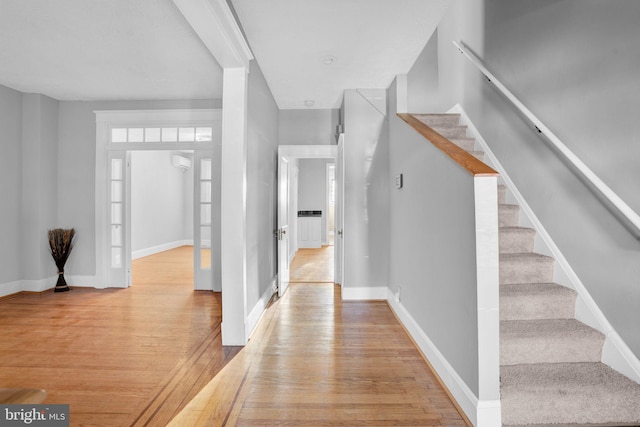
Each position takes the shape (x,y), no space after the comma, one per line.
(119,235)
(282,232)
(339,215)
(202,220)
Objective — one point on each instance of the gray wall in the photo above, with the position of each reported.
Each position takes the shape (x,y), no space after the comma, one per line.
(76,169)
(574,64)
(308,127)
(161,200)
(312,187)
(39,183)
(432,245)
(262,149)
(10,184)
(366,193)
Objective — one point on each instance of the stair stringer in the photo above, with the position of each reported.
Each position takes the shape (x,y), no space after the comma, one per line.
(616,353)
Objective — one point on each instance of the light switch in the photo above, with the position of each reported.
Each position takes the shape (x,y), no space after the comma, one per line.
(399,181)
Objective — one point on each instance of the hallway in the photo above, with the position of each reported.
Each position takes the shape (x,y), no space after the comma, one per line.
(316,360)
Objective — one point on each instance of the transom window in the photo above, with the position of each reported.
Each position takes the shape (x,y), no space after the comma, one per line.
(161,134)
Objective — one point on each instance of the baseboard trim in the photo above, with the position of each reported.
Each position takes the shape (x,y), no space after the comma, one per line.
(39,285)
(81,281)
(8,289)
(479,413)
(365,293)
(140,253)
(259,309)
(616,353)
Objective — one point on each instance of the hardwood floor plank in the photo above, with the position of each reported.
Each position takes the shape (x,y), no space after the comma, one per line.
(117,355)
(315,360)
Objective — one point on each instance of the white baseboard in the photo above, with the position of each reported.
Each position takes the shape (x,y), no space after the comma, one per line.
(39,285)
(365,293)
(160,248)
(80,281)
(480,413)
(10,288)
(258,310)
(616,353)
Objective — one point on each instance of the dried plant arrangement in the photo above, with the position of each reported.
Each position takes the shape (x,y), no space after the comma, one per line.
(61,243)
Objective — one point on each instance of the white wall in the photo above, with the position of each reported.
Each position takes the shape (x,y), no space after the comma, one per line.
(312,189)
(161,203)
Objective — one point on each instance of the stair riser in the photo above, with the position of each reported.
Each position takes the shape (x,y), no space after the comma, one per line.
(467,144)
(522,351)
(517,305)
(519,241)
(439,119)
(502,194)
(526,271)
(451,132)
(508,216)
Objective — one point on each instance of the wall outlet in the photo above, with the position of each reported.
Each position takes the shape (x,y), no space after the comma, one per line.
(398,294)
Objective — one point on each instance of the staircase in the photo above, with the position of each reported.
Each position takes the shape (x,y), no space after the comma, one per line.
(550,371)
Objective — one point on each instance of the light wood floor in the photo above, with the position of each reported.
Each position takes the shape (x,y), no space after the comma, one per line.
(119,357)
(315,360)
(312,265)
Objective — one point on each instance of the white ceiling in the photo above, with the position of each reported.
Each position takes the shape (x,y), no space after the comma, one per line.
(145,49)
(104,50)
(371,40)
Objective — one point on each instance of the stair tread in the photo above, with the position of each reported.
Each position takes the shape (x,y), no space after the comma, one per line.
(516,228)
(525,256)
(568,393)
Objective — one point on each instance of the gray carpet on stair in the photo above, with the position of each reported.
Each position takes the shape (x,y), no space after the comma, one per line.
(550,371)
(548,341)
(531,301)
(569,393)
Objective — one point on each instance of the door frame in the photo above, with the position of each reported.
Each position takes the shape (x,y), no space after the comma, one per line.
(296,152)
(108,119)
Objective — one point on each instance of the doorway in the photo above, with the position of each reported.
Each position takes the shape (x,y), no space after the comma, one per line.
(305,218)
(121,133)
(162,238)
(313,260)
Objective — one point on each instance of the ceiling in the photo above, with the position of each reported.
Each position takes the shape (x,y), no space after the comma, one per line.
(308,50)
(104,50)
(371,40)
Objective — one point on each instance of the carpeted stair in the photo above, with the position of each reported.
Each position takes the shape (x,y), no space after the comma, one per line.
(550,372)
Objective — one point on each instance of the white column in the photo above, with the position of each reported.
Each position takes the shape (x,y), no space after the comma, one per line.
(234,206)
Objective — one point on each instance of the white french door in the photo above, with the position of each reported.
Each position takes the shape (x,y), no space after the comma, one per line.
(119,236)
(282,232)
(339,215)
(203,220)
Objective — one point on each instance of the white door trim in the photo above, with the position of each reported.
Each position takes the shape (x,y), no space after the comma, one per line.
(296,152)
(107,119)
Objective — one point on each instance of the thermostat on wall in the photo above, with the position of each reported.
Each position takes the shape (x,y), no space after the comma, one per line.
(399,181)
